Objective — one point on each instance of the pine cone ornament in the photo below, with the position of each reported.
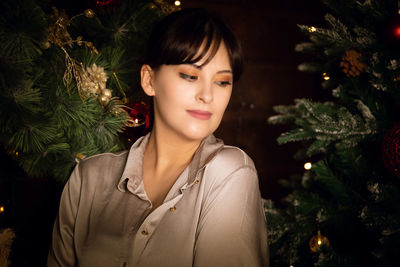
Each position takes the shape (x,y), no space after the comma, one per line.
(97,75)
(351,64)
(94,80)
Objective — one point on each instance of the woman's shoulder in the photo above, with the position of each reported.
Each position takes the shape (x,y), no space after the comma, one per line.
(230,159)
(234,156)
(102,159)
(231,166)
(105,166)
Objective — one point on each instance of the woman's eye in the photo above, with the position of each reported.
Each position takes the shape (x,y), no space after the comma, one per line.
(187,76)
(224,83)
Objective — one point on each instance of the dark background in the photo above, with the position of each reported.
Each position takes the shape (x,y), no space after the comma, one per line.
(268,32)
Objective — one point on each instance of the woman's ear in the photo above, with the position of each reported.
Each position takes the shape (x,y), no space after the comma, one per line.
(147,79)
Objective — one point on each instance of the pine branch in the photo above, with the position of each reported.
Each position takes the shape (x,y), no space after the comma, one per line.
(327,123)
(23,28)
(33,136)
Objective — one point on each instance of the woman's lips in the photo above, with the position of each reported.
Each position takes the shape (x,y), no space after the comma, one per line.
(200,114)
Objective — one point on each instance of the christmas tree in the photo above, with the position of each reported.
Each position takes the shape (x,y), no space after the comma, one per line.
(345,209)
(69,88)
(66,80)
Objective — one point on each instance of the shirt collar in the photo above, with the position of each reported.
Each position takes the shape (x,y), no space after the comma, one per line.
(207,150)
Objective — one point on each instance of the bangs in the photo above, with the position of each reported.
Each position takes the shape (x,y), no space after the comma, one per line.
(187,36)
(193,47)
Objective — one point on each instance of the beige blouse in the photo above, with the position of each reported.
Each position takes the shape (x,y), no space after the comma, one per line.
(212,216)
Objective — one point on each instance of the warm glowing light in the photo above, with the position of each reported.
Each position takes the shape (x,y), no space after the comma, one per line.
(16,153)
(326,76)
(1,209)
(129,140)
(107,92)
(136,120)
(312,29)
(319,242)
(177,3)
(397,31)
(308,166)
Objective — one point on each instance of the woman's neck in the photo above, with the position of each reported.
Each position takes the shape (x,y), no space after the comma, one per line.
(167,151)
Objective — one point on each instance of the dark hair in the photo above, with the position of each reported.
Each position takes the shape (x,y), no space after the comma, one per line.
(177,38)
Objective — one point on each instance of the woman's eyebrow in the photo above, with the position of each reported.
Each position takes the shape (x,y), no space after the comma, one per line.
(218,72)
(224,71)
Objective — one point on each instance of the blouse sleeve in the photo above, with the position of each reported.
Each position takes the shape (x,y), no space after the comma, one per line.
(232,228)
(62,251)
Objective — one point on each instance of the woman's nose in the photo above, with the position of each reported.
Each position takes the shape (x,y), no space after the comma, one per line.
(205,93)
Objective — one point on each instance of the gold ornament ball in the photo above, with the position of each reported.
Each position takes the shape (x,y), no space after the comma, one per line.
(317,241)
(107,93)
(46,45)
(89,13)
(104,100)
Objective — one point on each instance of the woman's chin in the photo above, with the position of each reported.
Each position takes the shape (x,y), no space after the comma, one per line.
(198,133)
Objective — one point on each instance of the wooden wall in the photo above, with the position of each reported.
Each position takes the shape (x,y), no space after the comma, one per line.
(268,33)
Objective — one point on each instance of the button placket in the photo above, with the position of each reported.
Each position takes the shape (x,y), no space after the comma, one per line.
(149,225)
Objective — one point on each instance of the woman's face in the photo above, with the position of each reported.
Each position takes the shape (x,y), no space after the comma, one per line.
(190,100)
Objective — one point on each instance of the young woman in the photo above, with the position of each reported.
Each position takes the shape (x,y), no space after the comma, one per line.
(179,197)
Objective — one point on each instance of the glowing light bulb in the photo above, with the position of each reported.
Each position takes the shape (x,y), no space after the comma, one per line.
(308,166)
(319,242)
(397,31)
(312,29)
(1,209)
(16,153)
(177,3)
(326,76)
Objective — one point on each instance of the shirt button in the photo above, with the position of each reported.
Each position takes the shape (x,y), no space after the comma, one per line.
(144,232)
(172,209)
(196,181)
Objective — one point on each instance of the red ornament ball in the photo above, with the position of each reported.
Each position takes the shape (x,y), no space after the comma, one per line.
(138,123)
(98,5)
(396,31)
(391,150)
(102,3)
(139,114)
(390,32)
